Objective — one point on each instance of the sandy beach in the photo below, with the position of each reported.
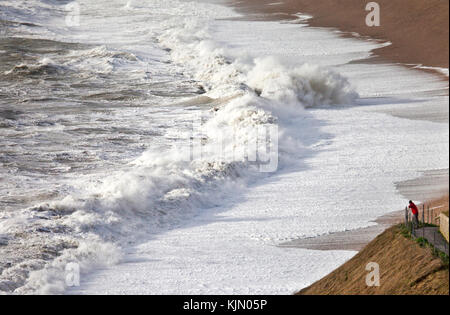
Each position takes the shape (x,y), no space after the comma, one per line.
(428,188)
(412,44)
(147,168)
(417,29)
(246,237)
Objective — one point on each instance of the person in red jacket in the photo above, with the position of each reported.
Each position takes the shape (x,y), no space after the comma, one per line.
(415,212)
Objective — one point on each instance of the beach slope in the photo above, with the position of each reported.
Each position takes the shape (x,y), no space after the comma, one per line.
(406,268)
(417,29)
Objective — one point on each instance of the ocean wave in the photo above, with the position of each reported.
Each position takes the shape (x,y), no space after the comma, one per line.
(46,66)
(164,188)
(222,74)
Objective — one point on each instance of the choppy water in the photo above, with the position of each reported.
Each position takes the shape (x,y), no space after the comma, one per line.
(97,119)
(75,104)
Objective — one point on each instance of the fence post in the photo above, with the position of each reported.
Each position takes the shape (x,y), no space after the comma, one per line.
(406,216)
(423,227)
(423,208)
(423,216)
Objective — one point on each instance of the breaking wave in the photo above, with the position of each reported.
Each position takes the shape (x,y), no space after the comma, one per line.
(45,66)
(165,187)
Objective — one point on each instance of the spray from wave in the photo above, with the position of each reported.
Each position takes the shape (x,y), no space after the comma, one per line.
(165,187)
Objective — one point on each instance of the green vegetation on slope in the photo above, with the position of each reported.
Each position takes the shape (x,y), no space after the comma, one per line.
(407,267)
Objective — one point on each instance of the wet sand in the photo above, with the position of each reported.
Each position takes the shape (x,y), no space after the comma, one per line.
(348,240)
(435,112)
(431,185)
(419,33)
(417,29)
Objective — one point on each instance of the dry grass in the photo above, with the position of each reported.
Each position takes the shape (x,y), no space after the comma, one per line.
(405,269)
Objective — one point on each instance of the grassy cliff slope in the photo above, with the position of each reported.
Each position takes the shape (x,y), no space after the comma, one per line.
(406,267)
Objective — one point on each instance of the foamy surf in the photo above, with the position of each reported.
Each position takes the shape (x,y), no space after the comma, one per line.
(160,190)
(216,252)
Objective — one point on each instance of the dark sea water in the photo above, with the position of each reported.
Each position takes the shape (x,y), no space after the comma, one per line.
(127,123)
(74,105)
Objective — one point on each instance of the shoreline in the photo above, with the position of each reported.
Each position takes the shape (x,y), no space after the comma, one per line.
(418,54)
(352,240)
(412,44)
(394,252)
(431,186)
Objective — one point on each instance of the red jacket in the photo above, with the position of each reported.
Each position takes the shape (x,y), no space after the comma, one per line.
(413,208)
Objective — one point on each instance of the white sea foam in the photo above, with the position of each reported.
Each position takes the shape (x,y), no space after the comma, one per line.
(444,71)
(251,83)
(347,159)
(161,190)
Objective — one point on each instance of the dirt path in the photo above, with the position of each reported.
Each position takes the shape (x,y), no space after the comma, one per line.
(434,237)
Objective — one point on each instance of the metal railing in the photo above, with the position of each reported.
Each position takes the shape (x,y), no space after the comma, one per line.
(428,215)
(427,218)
